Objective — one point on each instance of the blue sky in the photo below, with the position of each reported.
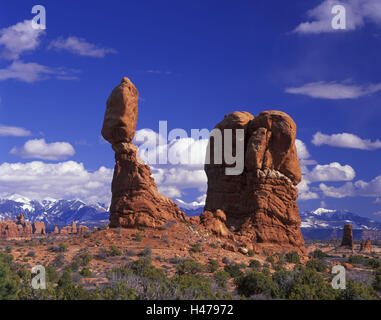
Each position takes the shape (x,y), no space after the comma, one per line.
(192,62)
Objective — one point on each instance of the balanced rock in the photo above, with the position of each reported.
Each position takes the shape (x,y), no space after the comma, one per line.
(135,198)
(347,240)
(260,202)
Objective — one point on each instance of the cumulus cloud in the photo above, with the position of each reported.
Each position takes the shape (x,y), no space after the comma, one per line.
(9,131)
(80,46)
(184,168)
(64,180)
(358,12)
(331,172)
(32,72)
(39,149)
(345,140)
(19,38)
(301,149)
(352,189)
(334,90)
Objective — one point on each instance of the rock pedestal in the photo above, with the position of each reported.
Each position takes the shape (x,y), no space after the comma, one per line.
(347,240)
(135,198)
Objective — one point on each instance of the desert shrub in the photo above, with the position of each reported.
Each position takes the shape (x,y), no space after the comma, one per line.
(120,291)
(213,265)
(195,248)
(175,260)
(142,229)
(8,249)
(254,264)
(292,257)
(144,268)
(9,281)
(372,263)
(192,286)
(356,260)
(357,291)
(31,254)
(190,266)
(221,277)
(250,253)
(146,252)
(138,237)
(254,283)
(307,284)
(86,272)
(51,274)
(318,254)
(234,270)
(84,258)
(270,259)
(130,253)
(63,247)
(114,251)
(316,265)
(377,279)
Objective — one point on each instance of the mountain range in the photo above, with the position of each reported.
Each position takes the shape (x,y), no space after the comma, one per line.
(54,212)
(318,224)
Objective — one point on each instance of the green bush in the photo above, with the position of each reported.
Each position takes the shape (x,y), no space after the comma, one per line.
(221,277)
(195,248)
(86,272)
(318,254)
(84,258)
(292,257)
(234,270)
(316,265)
(254,264)
(114,251)
(357,291)
(63,247)
(138,237)
(256,283)
(213,265)
(146,252)
(190,266)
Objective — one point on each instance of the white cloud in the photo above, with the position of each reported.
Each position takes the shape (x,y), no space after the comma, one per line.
(378,213)
(65,180)
(331,172)
(32,72)
(19,38)
(378,200)
(302,149)
(359,188)
(80,46)
(345,140)
(334,90)
(358,12)
(39,149)
(13,131)
(174,178)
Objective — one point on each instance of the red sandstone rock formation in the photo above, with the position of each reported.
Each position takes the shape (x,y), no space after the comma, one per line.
(347,240)
(20,228)
(39,228)
(366,246)
(135,198)
(260,203)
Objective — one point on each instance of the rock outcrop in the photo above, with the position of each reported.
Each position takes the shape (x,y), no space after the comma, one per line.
(366,246)
(20,228)
(347,240)
(135,198)
(258,204)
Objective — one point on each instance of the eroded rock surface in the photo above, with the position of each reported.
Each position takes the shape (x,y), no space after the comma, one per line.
(135,198)
(347,240)
(260,203)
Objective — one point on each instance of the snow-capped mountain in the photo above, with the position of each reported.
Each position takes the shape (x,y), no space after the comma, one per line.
(331,219)
(53,212)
